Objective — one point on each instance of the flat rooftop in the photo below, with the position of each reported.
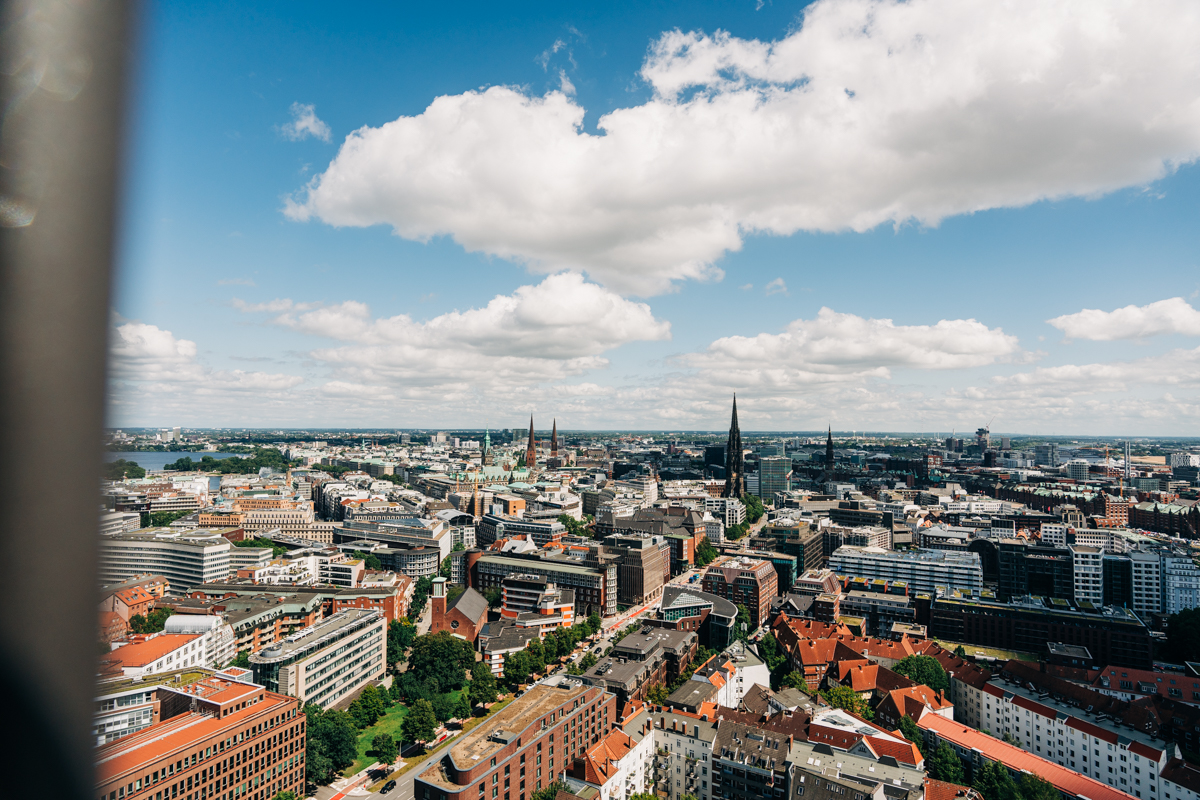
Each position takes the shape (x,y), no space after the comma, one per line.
(527,710)
(315,637)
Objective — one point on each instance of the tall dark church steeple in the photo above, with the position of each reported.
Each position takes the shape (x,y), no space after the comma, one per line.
(531,448)
(735,477)
(829,451)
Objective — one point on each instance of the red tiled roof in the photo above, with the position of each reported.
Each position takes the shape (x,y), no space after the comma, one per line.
(139,654)
(940,790)
(1065,780)
(905,752)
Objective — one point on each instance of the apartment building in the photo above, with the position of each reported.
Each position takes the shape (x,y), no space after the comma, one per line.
(219,738)
(595,585)
(744,581)
(328,661)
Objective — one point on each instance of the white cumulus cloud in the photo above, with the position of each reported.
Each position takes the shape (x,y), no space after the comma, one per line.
(305,123)
(550,331)
(1131,322)
(871,111)
(840,348)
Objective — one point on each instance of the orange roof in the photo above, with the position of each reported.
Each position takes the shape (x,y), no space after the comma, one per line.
(1067,781)
(940,790)
(599,765)
(176,734)
(905,752)
(139,654)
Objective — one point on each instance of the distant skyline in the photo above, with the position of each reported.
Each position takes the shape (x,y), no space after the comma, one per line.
(918,215)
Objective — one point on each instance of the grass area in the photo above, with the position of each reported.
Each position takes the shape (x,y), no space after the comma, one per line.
(994,652)
(414,761)
(389,723)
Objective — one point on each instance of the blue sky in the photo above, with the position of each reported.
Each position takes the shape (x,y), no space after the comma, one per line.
(509,249)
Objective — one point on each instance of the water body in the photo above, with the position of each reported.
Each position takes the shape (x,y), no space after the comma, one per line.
(153,459)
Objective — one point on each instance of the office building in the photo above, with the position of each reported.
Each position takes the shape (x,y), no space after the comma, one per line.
(922,570)
(326,662)
(651,657)
(1035,569)
(711,618)
(773,472)
(1112,635)
(184,557)
(1088,568)
(752,583)
(595,585)
(1180,581)
(219,738)
(729,510)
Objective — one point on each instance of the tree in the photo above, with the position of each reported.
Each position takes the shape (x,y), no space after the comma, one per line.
(574,527)
(735,532)
(483,685)
(162,519)
(462,709)
(992,780)
(516,668)
(923,669)
(943,764)
(400,636)
(444,569)
(754,508)
(744,628)
(960,651)
(370,560)
(441,657)
(331,744)
(588,661)
(537,655)
(1035,787)
(912,733)
(657,694)
(846,698)
(153,623)
(458,547)
(594,623)
(493,595)
(121,469)
(421,723)
(793,680)
(288,795)
(385,748)
(443,707)
(705,553)
(549,792)
(242,659)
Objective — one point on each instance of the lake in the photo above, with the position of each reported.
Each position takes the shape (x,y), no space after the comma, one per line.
(154,460)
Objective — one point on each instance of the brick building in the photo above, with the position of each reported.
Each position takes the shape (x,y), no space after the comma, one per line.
(218,738)
(529,745)
(465,617)
(743,581)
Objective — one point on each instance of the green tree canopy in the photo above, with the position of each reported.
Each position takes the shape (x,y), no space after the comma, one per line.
(400,636)
(121,469)
(331,744)
(754,507)
(549,792)
(923,669)
(744,626)
(494,596)
(992,780)
(657,694)
(793,680)
(848,699)
(1035,787)
(441,657)
(242,659)
(943,764)
(574,527)
(912,733)
(152,623)
(261,457)
(420,725)
(483,685)
(705,553)
(370,560)
(385,748)
(516,668)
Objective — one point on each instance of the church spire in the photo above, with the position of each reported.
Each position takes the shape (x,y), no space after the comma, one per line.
(531,448)
(829,450)
(554,440)
(735,478)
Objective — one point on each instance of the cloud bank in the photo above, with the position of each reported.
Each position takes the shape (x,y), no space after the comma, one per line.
(1131,322)
(870,112)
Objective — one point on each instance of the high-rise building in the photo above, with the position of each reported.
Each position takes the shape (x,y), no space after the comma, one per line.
(923,570)
(735,476)
(773,474)
(1046,454)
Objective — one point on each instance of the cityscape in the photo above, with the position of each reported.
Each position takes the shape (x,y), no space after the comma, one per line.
(429,613)
(744,400)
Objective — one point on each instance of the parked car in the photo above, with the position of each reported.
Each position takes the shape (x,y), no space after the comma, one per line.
(387,787)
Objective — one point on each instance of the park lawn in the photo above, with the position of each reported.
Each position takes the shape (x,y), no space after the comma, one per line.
(389,723)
